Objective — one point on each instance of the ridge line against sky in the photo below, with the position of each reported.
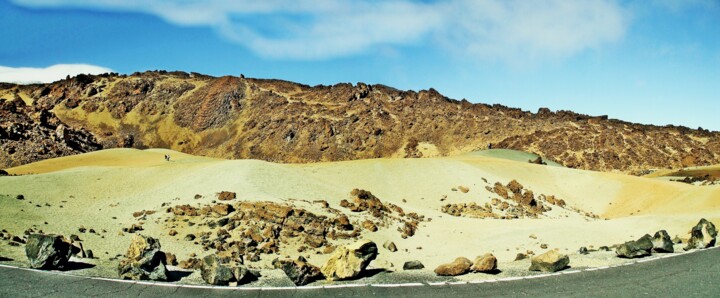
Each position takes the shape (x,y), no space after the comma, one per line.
(650,62)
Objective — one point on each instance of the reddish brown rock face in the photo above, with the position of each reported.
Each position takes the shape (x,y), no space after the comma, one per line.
(230,117)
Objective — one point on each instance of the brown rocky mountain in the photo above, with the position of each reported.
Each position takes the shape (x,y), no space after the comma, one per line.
(231,117)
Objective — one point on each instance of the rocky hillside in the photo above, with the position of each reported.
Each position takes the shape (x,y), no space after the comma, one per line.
(231,117)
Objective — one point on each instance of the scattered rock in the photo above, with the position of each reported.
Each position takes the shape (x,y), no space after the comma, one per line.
(661,242)
(47,252)
(215,273)
(635,249)
(485,263)
(144,260)
(520,256)
(90,254)
(189,237)
(300,271)
(389,245)
(226,196)
(170,259)
(702,235)
(20,197)
(551,261)
(349,261)
(191,263)
(172,233)
(413,265)
(457,267)
(370,226)
(583,250)
(543,246)
(463,189)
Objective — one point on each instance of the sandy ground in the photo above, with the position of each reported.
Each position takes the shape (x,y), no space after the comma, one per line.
(101,190)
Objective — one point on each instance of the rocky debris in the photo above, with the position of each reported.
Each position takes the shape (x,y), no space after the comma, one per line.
(370,226)
(457,267)
(144,260)
(702,235)
(226,196)
(220,210)
(661,242)
(215,272)
(299,271)
(635,249)
(389,245)
(191,263)
(520,256)
(47,252)
(472,210)
(583,250)
(413,265)
(463,189)
(349,261)
(132,229)
(170,259)
(485,263)
(551,261)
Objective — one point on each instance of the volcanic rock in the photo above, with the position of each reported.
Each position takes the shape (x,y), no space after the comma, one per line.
(389,245)
(662,242)
(299,271)
(144,260)
(47,252)
(485,263)
(457,267)
(702,235)
(226,196)
(349,261)
(214,273)
(550,261)
(413,265)
(635,249)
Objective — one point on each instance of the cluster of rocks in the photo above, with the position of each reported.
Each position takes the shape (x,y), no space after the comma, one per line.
(384,214)
(702,235)
(486,263)
(704,180)
(245,231)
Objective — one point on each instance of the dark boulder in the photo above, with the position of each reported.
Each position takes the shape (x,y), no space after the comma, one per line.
(300,271)
(47,251)
(662,242)
(215,273)
(702,235)
(413,265)
(635,249)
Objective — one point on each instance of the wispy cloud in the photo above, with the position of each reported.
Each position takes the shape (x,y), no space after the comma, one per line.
(28,75)
(321,29)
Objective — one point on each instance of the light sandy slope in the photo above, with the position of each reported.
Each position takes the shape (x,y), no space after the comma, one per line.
(95,187)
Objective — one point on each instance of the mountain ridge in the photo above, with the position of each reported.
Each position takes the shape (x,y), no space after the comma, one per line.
(282,121)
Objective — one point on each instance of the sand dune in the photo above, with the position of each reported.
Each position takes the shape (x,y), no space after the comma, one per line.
(92,188)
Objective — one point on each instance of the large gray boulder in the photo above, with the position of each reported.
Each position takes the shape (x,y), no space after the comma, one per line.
(47,251)
(550,261)
(702,235)
(300,272)
(635,249)
(662,242)
(349,261)
(144,260)
(215,273)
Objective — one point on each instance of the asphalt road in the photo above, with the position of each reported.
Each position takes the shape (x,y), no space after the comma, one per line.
(690,275)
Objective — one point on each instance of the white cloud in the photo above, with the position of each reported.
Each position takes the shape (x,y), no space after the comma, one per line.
(320,29)
(29,75)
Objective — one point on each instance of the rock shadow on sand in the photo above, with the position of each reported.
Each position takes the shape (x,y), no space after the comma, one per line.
(177,275)
(72,266)
(4,259)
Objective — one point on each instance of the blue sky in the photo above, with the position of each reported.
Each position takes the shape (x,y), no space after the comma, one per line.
(655,62)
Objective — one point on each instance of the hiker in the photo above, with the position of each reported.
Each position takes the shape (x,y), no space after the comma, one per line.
(489,146)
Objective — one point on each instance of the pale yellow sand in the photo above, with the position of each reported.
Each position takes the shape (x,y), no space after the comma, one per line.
(94,187)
